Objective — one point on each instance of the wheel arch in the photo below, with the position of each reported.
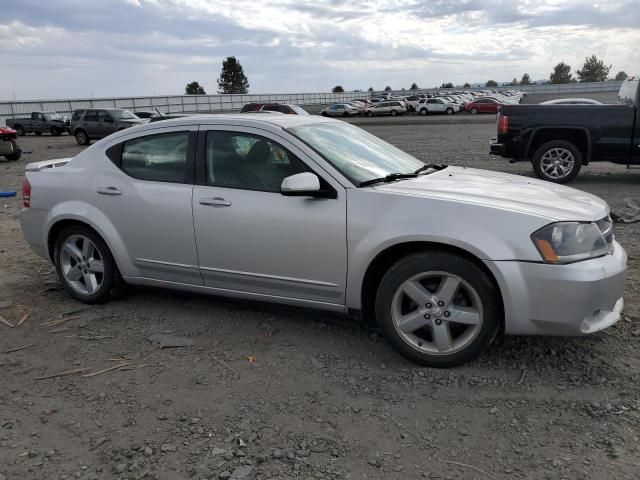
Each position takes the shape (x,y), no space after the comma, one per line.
(387,257)
(576,135)
(114,245)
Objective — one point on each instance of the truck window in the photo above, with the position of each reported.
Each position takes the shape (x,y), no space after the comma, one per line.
(628,92)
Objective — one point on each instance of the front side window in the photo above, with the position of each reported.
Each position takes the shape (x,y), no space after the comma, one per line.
(103,116)
(91,116)
(247,161)
(161,158)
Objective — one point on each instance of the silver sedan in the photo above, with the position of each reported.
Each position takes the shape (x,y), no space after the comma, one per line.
(315,212)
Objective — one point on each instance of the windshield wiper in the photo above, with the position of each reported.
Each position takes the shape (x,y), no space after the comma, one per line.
(388,178)
(430,166)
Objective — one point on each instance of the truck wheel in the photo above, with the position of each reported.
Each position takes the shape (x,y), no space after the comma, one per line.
(82,137)
(20,130)
(557,161)
(438,309)
(55,131)
(14,156)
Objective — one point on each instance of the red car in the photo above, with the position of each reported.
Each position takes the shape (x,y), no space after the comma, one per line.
(8,146)
(483,105)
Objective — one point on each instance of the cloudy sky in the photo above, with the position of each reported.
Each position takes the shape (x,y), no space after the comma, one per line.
(79,48)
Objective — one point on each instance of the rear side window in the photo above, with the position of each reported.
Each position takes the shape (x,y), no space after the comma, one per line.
(91,116)
(628,92)
(160,158)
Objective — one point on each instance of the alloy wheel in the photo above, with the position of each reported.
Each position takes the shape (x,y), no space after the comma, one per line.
(557,163)
(82,265)
(437,313)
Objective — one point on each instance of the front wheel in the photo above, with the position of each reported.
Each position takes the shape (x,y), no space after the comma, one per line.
(474,111)
(20,130)
(450,111)
(325,114)
(85,265)
(557,161)
(82,137)
(423,111)
(55,131)
(438,309)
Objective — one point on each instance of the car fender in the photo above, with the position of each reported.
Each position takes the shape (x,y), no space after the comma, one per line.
(88,214)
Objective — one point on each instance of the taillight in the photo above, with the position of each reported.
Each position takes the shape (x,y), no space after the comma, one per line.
(503,123)
(26,193)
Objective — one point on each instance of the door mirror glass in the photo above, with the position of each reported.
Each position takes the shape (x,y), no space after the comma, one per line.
(301,184)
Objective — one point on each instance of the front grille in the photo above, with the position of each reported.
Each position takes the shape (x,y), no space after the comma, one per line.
(606,228)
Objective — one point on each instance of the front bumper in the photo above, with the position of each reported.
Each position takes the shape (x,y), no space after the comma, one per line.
(575,299)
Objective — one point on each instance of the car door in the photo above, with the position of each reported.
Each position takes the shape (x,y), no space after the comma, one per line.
(144,194)
(255,240)
(37,122)
(106,123)
(90,123)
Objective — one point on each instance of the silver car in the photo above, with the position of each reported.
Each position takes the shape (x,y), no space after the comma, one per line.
(315,212)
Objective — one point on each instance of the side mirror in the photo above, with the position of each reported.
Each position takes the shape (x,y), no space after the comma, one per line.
(301,185)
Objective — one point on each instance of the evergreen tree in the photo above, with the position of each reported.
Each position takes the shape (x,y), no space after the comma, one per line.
(232,78)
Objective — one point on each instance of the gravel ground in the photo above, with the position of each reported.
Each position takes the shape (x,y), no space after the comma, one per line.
(262,391)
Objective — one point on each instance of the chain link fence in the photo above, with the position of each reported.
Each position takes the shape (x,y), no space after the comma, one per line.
(231,103)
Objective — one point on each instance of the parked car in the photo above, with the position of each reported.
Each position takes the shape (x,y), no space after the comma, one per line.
(558,140)
(274,107)
(436,105)
(313,211)
(340,110)
(387,107)
(94,123)
(571,101)
(483,105)
(39,122)
(8,144)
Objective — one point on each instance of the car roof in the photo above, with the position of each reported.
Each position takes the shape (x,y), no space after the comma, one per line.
(243,119)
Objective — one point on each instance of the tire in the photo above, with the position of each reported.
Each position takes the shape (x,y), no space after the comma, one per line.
(324,114)
(476,299)
(345,114)
(474,111)
(15,156)
(38,133)
(424,111)
(557,161)
(55,131)
(82,137)
(19,130)
(394,113)
(450,111)
(369,114)
(108,282)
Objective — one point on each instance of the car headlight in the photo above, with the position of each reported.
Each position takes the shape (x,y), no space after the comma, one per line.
(567,242)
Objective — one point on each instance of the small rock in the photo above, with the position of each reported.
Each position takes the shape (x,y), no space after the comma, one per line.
(243,473)
(217,451)
(167,447)
(49,453)
(228,455)
(121,467)
(224,475)
(148,451)
(163,416)
(277,454)
(195,420)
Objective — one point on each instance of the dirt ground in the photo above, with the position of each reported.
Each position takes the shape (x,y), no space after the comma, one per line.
(291,393)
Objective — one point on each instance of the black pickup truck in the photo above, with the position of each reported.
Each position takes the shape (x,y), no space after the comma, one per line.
(559,139)
(39,122)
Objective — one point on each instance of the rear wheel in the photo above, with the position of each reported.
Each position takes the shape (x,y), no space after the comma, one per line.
(14,156)
(55,131)
(20,130)
(438,309)
(394,113)
(82,137)
(557,161)
(85,265)
(450,111)
(325,114)
(369,114)
(423,111)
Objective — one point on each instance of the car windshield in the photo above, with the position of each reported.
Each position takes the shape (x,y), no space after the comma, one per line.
(52,116)
(357,154)
(123,114)
(298,110)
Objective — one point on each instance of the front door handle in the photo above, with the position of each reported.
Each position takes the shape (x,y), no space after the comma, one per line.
(109,191)
(215,202)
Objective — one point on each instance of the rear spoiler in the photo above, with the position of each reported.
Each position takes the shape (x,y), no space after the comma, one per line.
(44,164)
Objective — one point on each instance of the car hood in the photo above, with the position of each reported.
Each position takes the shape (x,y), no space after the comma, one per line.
(503,191)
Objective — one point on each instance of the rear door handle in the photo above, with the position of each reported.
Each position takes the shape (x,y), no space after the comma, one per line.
(215,202)
(109,191)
